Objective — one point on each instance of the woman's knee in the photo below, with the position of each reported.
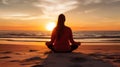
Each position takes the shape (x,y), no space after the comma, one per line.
(47,43)
(73,47)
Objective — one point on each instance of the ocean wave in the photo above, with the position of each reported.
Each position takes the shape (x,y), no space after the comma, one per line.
(95,40)
(46,35)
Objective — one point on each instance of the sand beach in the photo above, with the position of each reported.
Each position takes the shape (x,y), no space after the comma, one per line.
(40,56)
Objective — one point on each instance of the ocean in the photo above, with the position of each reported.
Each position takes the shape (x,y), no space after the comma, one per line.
(43,36)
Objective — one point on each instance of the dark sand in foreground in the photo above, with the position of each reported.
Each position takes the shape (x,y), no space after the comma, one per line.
(41,56)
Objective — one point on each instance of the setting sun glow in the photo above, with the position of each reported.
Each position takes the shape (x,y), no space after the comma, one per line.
(50,26)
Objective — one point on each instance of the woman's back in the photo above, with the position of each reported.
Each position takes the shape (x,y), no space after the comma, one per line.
(63,42)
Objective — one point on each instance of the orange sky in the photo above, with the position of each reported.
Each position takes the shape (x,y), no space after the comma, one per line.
(74,28)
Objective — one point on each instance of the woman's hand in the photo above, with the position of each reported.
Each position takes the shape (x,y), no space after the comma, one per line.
(48,43)
(77,43)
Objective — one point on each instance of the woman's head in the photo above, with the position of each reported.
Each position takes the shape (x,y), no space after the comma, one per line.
(61,20)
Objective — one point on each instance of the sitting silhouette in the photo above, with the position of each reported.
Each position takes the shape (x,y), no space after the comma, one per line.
(62,37)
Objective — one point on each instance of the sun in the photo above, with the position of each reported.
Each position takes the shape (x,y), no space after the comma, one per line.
(50,26)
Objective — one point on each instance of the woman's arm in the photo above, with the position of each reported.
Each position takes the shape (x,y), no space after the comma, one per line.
(52,38)
(71,39)
(71,36)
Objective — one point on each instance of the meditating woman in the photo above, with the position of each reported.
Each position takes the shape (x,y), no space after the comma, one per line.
(62,38)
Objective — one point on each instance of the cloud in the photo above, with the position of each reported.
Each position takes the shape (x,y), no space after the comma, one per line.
(12,2)
(46,8)
(4,1)
(86,5)
(51,8)
(86,2)
(19,16)
(90,11)
(19,9)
